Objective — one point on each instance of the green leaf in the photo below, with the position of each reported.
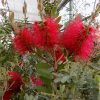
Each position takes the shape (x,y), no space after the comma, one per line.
(2,73)
(62,88)
(54,12)
(28,97)
(57,80)
(1,92)
(65,79)
(44,89)
(43,70)
(46,76)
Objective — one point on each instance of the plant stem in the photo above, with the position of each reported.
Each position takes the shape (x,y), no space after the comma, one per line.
(43,58)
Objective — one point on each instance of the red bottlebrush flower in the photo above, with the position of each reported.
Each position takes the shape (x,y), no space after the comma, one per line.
(51,32)
(86,47)
(23,42)
(60,55)
(36,81)
(7,95)
(38,35)
(39,82)
(46,33)
(77,39)
(16,80)
(72,33)
(13,85)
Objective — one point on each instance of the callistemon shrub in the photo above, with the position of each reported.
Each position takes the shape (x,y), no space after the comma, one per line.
(77,39)
(55,65)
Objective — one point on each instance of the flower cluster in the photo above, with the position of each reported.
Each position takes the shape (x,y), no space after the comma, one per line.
(45,34)
(15,83)
(36,81)
(77,39)
(23,42)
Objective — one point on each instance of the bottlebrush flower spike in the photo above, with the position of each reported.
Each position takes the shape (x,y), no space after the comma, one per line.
(36,81)
(46,33)
(86,47)
(7,95)
(72,33)
(52,32)
(77,39)
(38,35)
(23,42)
(13,85)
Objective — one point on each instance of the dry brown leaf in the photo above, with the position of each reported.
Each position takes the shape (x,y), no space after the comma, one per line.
(11,16)
(25,8)
(58,19)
